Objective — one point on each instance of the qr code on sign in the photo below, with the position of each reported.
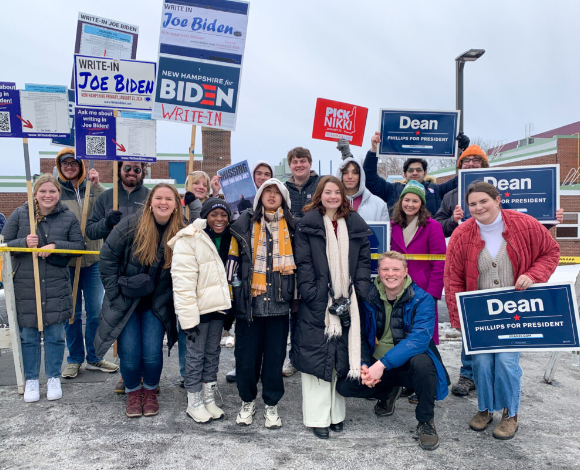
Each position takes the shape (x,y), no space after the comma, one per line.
(4,121)
(96,145)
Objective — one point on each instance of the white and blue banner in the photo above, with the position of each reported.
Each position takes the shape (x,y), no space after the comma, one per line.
(380,242)
(201,49)
(197,93)
(119,84)
(212,30)
(419,134)
(543,317)
(531,189)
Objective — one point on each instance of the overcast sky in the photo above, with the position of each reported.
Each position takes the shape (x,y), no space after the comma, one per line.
(372,53)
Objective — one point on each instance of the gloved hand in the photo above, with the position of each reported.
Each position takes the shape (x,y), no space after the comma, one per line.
(462,141)
(113,218)
(344,148)
(189,198)
(191,333)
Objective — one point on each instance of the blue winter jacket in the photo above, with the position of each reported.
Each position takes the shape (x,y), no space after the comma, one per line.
(419,322)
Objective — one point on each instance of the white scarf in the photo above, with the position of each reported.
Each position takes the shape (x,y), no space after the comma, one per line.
(337,248)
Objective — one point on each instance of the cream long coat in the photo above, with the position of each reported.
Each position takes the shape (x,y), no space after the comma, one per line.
(199,277)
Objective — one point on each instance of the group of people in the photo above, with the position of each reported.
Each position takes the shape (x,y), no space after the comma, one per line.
(297,263)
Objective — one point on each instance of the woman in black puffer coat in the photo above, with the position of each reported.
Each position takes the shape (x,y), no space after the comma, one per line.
(331,247)
(57,228)
(135,265)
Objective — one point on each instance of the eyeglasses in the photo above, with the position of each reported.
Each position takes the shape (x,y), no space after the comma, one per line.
(136,169)
(472,160)
(73,164)
(415,170)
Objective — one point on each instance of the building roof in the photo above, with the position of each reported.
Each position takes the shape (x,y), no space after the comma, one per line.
(568,129)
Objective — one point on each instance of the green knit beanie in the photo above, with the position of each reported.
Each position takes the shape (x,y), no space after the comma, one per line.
(415,188)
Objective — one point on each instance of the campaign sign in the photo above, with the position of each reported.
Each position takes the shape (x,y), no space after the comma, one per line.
(532,189)
(44,111)
(334,120)
(95,134)
(380,242)
(108,83)
(420,134)
(102,37)
(10,119)
(238,187)
(136,137)
(212,30)
(196,93)
(543,317)
(70,142)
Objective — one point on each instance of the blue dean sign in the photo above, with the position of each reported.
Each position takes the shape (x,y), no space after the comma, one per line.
(380,242)
(421,134)
(542,317)
(533,190)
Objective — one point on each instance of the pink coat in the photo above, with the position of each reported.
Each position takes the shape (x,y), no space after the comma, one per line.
(428,275)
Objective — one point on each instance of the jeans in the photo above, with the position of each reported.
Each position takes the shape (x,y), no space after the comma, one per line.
(181,350)
(140,348)
(466,369)
(418,373)
(498,381)
(53,350)
(203,357)
(92,290)
(260,353)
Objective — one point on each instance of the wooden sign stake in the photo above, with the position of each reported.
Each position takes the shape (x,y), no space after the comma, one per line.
(33,232)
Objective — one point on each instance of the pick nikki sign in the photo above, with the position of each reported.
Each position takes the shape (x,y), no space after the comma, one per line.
(334,120)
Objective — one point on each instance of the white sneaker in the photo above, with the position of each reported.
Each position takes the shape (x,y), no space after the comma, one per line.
(32,391)
(288,369)
(246,414)
(272,418)
(53,390)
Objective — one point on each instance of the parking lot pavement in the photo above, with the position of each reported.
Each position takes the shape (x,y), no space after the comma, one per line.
(87,429)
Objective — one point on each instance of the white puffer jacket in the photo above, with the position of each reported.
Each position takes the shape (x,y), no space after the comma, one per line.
(199,276)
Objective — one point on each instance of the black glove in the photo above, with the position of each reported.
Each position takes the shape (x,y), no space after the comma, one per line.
(344,148)
(191,333)
(462,141)
(113,218)
(189,198)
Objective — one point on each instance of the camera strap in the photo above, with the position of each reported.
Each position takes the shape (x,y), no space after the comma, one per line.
(331,290)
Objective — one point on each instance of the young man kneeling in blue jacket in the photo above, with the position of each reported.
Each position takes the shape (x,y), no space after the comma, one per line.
(397,349)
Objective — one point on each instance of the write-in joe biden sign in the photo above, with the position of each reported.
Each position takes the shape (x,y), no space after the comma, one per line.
(542,317)
(533,189)
(422,134)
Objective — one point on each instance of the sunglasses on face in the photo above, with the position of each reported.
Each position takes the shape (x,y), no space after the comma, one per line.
(73,164)
(136,169)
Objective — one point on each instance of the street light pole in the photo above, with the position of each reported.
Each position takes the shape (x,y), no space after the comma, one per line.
(469,56)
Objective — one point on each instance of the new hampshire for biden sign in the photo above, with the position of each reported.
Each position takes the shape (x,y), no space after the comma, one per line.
(545,316)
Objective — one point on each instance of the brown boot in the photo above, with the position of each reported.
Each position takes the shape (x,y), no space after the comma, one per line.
(507,427)
(134,407)
(150,403)
(480,421)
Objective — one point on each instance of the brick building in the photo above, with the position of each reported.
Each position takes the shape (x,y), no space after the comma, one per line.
(215,155)
(551,147)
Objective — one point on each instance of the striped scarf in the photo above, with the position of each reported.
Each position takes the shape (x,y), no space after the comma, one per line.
(282,256)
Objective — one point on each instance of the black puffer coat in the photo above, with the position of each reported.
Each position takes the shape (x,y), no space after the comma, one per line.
(282,287)
(62,228)
(118,259)
(312,352)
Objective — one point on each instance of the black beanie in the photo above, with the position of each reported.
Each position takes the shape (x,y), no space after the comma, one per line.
(212,203)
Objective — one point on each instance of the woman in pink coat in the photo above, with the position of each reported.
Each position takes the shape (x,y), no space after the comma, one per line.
(413,231)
